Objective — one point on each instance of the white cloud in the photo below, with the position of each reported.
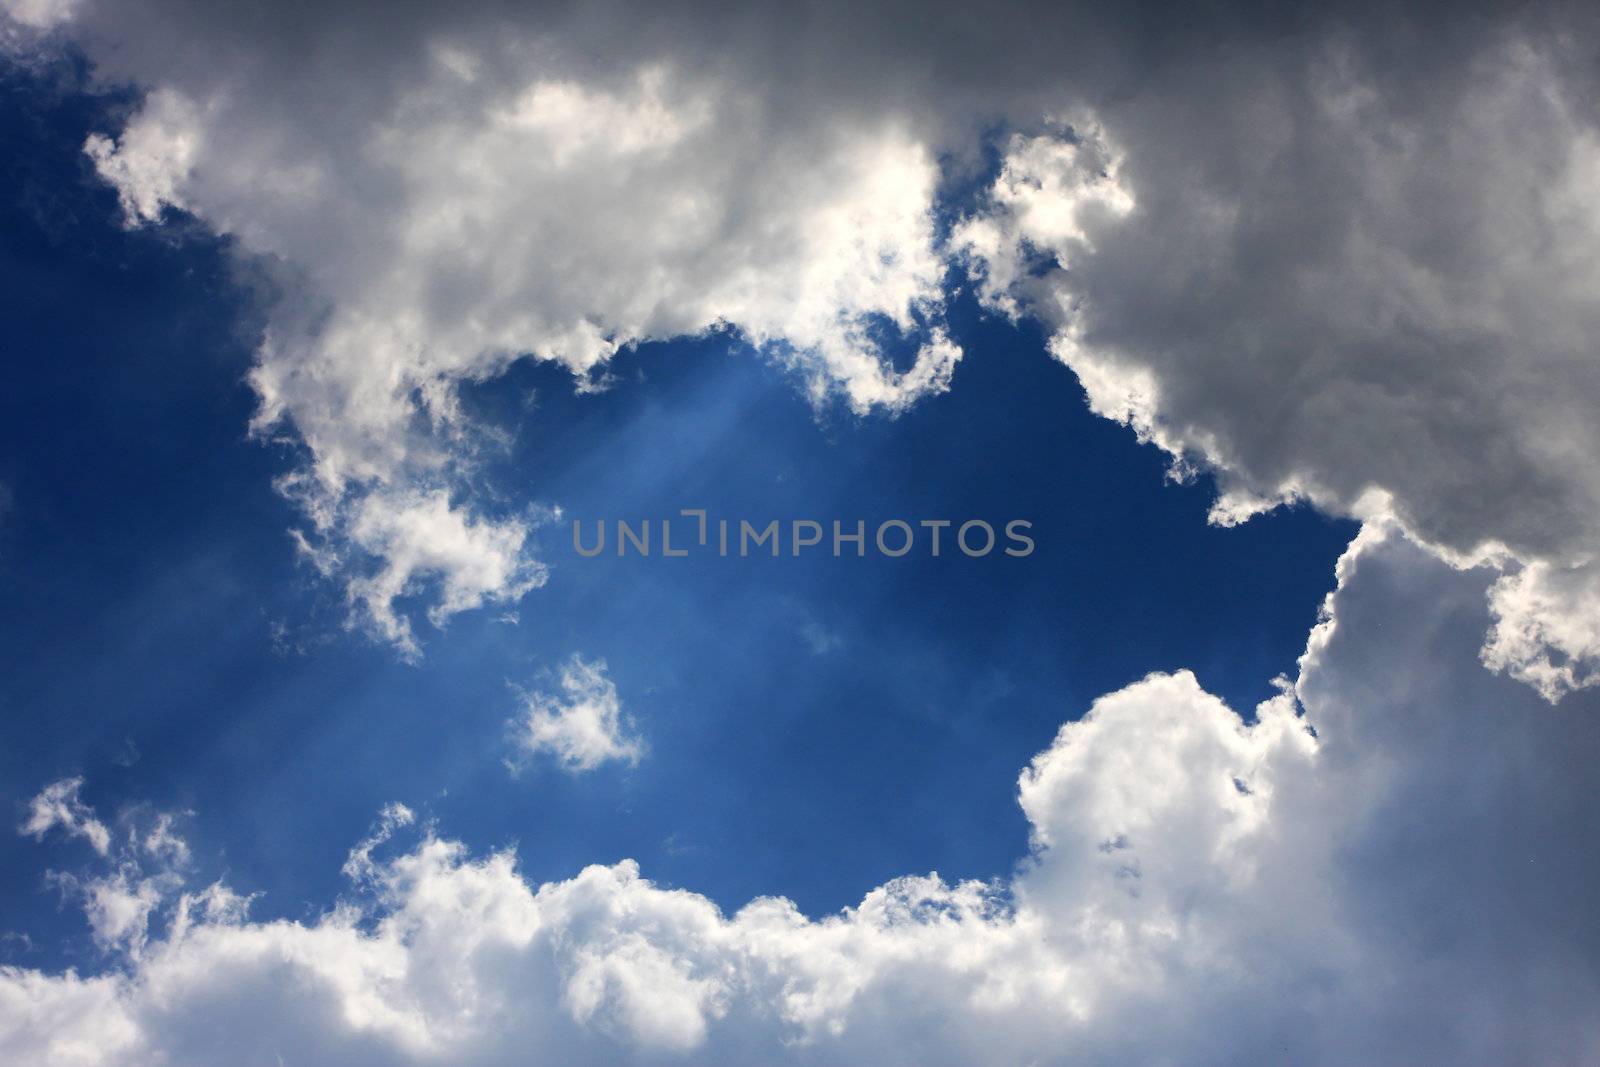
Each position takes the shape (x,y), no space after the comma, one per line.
(422,536)
(145,867)
(63,1020)
(1200,890)
(162,843)
(488,208)
(118,907)
(584,726)
(1547,627)
(154,158)
(1040,204)
(59,805)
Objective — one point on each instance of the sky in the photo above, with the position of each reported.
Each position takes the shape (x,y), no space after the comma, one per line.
(323,744)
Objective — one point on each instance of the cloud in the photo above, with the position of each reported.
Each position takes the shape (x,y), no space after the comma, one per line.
(1547,627)
(1201,888)
(420,537)
(1346,258)
(1338,281)
(1318,257)
(39,14)
(819,638)
(146,864)
(58,805)
(431,228)
(584,726)
(119,907)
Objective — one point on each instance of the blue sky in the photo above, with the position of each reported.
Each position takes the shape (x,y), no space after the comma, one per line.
(324,326)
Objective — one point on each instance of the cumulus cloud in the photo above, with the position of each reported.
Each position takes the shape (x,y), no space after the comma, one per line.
(583,726)
(1347,257)
(1201,888)
(1344,282)
(1318,257)
(489,205)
